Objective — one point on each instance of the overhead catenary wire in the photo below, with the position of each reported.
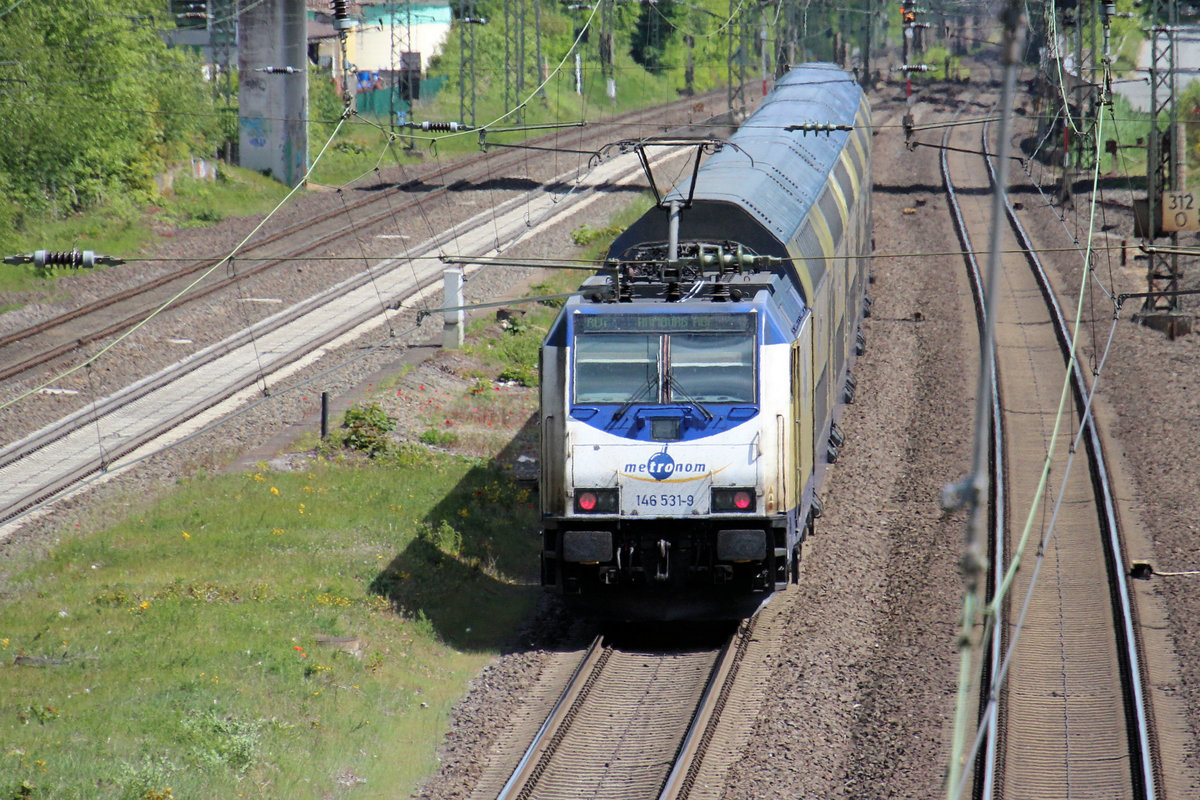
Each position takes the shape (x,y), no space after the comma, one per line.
(568,263)
(11,8)
(992,611)
(275,396)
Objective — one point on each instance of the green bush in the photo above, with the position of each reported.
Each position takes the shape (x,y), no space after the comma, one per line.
(216,739)
(367,429)
(140,103)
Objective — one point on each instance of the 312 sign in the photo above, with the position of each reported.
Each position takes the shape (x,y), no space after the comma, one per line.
(1180,212)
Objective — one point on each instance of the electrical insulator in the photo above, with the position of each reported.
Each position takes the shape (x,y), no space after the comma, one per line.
(447,127)
(818,127)
(341,15)
(74,259)
(190,13)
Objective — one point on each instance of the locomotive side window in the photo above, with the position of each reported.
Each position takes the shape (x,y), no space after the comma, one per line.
(713,368)
(616,368)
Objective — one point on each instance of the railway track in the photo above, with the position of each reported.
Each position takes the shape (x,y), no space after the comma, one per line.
(631,723)
(1063,701)
(61,335)
(99,437)
(95,438)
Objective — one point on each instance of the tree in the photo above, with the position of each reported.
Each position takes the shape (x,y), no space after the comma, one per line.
(94,102)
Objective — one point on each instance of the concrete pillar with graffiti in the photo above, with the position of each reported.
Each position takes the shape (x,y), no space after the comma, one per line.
(273,89)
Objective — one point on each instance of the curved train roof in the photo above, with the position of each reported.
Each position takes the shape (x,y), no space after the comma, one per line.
(760,192)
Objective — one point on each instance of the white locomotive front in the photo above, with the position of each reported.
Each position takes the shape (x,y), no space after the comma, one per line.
(663,496)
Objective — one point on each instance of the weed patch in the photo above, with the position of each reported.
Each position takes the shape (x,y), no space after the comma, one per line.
(367,428)
(216,740)
(438,438)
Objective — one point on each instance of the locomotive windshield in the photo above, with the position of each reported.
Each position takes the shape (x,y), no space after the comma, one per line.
(664,358)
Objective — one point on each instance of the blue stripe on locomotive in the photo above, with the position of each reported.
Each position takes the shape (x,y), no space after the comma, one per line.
(774,328)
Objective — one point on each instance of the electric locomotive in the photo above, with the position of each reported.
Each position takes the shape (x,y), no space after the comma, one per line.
(690,390)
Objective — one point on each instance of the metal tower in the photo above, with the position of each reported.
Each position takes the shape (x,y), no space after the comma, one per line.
(402,87)
(741,48)
(514,57)
(1163,161)
(223,17)
(467,20)
(607,49)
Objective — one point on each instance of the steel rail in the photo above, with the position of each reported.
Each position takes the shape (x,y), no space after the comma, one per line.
(538,754)
(44,481)
(1143,752)
(688,760)
(1140,739)
(998,499)
(692,746)
(89,415)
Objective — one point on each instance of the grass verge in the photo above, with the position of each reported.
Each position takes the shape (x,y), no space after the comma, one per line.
(263,635)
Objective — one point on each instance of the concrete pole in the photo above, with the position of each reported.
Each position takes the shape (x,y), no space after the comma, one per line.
(452,300)
(273,99)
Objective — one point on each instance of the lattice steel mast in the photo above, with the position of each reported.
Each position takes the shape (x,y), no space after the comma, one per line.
(1163,162)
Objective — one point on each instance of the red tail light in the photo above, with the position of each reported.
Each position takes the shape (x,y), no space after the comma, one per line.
(596,501)
(737,499)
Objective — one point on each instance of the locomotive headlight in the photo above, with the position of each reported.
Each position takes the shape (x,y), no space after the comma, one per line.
(733,499)
(596,501)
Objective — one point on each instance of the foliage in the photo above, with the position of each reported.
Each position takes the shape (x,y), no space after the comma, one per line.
(585,234)
(652,31)
(944,66)
(648,58)
(94,103)
(367,429)
(443,537)
(115,227)
(516,350)
(218,740)
(548,288)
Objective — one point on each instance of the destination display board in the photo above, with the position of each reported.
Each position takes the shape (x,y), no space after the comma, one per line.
(664,323)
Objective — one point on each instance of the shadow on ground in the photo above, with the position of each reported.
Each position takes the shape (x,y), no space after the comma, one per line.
(472,571)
